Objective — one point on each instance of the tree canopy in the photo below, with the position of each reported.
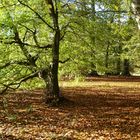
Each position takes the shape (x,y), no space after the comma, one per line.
(43,40)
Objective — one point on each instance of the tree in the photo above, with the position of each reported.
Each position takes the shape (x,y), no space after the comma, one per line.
(32,31)
(100,37)
(93,34)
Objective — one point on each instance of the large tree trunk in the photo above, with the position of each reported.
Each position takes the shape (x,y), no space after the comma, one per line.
(53,94)
(46,74)
(55,53)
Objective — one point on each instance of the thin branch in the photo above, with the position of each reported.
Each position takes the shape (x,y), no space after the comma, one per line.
(136,66)
(62,36)
(33,33)
(112,11)
(38,15)
(64,61)
(6,41)
(24,63)
(39,47)
(7,87)
(5,65)
(27,44)
(64,28)
(31,76)
(25,35)
(35,40)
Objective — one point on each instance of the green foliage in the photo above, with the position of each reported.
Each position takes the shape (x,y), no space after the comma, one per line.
(95,35)
(91,36)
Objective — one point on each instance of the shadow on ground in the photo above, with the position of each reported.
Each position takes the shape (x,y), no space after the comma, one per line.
(90,113)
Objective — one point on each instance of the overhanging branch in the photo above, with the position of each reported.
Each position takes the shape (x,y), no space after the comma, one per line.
(34,32)
(38,15)
(26,44)
(24,63)
(18,84)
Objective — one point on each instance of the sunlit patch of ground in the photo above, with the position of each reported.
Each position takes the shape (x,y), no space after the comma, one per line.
(99,109)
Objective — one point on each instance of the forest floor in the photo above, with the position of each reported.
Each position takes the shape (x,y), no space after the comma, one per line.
(103,108)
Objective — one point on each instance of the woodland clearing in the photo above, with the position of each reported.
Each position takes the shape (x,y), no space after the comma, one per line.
(96,109)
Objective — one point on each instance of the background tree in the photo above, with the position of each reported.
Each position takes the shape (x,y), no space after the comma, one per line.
(107,36)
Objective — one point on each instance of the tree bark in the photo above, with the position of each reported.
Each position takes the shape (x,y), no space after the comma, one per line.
(126,68)
(93,55)
(118,67)
(107,58)
(53,85)
(55,63)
